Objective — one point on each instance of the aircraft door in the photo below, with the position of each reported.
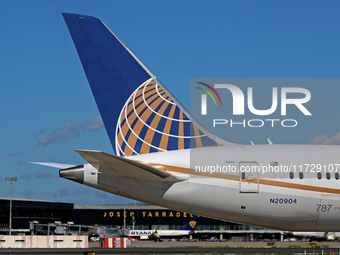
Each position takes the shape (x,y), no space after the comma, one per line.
(249,177)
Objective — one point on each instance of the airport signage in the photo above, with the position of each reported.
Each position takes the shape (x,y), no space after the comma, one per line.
(147,214)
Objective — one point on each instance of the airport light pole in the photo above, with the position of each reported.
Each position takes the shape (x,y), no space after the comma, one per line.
(11,179)
(124,216)
(134,218)
(133,222)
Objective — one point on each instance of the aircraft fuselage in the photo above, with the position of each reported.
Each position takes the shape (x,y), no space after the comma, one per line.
(286,199)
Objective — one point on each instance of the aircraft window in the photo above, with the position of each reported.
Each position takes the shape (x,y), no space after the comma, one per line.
(328,176)
(243,175)
(301,175)
(319,176)
(336,176)
(291,175)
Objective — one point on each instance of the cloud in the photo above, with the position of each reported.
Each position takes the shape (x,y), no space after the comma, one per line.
(42,131)
(63,192)
(38,175)
(70,130)
(88,196)
(25,177)
(66,192)
(95,124)
(27,193)
(13,154)
(322,139)
(44,175)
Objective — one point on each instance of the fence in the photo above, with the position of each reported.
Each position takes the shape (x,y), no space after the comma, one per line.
(116,243)
(44,242)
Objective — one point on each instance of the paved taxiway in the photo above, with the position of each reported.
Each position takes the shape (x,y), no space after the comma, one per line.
(149,247)
(196,250)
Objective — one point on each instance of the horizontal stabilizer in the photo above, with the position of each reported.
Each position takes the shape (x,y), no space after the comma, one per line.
(108,163)
(55,165)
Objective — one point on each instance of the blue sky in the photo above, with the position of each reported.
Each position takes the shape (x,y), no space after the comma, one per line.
(46,105)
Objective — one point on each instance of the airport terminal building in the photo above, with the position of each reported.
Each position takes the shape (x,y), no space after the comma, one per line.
(144,217)
(140,217)
(26,210)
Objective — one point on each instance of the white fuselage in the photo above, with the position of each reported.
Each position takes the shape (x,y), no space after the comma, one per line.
(275,200)
(160,233)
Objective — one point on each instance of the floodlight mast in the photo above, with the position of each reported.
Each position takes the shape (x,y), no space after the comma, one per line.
(10,179)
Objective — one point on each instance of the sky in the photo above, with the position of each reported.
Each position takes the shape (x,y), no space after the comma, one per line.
(47,109)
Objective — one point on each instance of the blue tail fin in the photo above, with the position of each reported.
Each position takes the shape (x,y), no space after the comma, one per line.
(140,115)
(192,224)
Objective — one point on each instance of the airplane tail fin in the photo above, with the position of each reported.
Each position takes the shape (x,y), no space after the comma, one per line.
(192,224)
(140,115)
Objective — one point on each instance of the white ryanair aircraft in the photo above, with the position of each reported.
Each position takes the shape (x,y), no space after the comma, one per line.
(165,234)
(155,139)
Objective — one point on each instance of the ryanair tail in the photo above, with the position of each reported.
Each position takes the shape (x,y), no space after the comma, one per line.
(140,115)
(192,224)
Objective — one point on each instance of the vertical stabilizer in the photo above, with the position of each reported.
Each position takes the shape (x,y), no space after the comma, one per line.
(192,224)
(140,115)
